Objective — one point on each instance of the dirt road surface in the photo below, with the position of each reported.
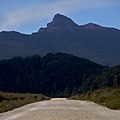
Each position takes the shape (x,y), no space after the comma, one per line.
(61,109)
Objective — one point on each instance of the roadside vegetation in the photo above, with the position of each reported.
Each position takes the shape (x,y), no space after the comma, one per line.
(108,97)
(9,101)
(57,75)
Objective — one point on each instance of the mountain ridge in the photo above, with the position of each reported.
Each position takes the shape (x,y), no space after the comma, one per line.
(62,34)
(58,15)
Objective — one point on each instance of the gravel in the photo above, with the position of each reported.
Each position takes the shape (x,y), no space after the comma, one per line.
(61,109)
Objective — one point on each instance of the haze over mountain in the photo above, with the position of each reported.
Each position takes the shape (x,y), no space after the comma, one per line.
(92,41)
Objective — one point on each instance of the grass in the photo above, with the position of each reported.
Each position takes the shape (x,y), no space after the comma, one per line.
(107,97)
(9,101)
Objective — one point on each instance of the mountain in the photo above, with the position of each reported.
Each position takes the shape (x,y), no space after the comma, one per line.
(60,23)
(92,41)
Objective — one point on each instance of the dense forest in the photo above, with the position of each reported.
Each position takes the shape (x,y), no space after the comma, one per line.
(55,75)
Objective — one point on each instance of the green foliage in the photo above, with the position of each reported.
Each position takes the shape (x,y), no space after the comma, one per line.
(56,74)
(110,77)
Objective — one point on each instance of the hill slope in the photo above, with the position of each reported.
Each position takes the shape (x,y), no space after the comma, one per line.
(97,43)
(54,74)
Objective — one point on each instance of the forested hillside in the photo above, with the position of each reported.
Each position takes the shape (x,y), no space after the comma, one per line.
(54,74)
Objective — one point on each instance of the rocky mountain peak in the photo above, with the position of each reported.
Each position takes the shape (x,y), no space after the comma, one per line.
(60,22)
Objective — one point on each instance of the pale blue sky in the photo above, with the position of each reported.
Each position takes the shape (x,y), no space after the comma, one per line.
(28,16)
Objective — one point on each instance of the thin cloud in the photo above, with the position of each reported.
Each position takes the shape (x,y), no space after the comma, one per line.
(37,12)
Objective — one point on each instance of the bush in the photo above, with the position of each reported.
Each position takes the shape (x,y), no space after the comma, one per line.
(9,101)
(107,97)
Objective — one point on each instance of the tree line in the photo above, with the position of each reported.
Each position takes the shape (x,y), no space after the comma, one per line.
(55,75)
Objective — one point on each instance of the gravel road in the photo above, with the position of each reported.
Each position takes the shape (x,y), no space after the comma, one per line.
(61,109)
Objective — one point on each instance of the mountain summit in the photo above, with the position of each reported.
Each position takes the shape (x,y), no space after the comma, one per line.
(97,43)
(59,23)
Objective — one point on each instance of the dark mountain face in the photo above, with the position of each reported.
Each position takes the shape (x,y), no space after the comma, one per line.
(95,42)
